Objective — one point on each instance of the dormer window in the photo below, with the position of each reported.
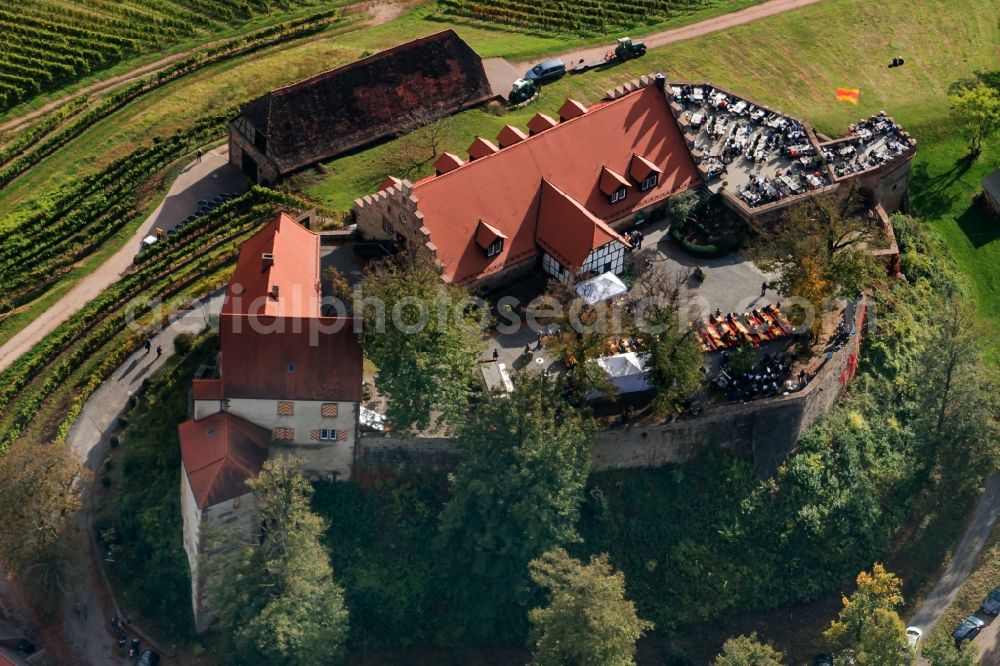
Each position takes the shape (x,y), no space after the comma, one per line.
(619,194)
(489,238)
(649,182)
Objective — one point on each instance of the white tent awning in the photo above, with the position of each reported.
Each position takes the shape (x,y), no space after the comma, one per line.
(601,288)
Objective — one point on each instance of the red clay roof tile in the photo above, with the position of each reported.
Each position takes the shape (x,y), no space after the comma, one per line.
(612,181)
(369,99)
(504,188)
(571,109)
(541,122)
(510,135)
(481,148)
(567,230)
(220,453)
(448,162)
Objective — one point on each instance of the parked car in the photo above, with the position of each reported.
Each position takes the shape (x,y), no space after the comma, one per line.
(148,658)
(991,605)
(913,636)
(547,71)
(969,629)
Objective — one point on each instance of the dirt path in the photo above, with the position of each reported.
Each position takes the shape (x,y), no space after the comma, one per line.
(966,553)
(200,180)
(379,12)
(657,39)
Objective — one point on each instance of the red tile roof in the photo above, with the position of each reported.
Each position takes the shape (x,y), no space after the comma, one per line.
(220,453)
(611,181)
(567,230)
(486,234)
(510,135)
(282,348)
(571,109)
(541,122)
(290,358)
(207,389)
(481,148)
(293,267)
(448,162)
(504,189)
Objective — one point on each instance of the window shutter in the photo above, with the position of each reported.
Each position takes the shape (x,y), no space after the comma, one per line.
(314,435)
(329,409)
(284,434)
(286,408)
(341,435)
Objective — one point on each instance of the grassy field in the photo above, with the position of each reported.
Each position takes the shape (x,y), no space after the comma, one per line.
(794,62)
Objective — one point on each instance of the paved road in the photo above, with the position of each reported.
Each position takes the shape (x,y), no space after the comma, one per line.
(655,40)
(199,180)
(966,553)
(90,633)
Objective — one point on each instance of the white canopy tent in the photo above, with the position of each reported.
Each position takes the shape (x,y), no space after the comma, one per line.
(601,288)
(626,371)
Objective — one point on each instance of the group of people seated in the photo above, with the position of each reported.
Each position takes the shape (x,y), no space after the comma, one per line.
(770,375)
(873,141)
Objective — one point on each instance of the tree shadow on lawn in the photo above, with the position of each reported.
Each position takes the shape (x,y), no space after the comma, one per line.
(932,194)
(978,225)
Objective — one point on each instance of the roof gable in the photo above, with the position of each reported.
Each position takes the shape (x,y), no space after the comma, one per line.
(510,135)
(640,168)
(571,109)
(541,122)
(481,148)
(486,235)
(567,230)
(612,181)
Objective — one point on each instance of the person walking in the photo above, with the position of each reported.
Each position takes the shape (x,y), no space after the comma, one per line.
(763,288)
(496,353)
(159,351)
(198,157)
(149,345)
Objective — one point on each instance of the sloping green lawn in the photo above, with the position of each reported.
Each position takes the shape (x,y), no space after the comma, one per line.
(794,62)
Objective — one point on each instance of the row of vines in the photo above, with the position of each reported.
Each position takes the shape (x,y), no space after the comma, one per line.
(57,128)
(587,17)
(39,244)
(103,333)
(51,43)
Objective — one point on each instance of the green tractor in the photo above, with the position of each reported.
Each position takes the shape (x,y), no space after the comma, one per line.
(522,91)
(628,49)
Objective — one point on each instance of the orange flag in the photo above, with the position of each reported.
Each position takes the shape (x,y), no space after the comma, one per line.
(852,95)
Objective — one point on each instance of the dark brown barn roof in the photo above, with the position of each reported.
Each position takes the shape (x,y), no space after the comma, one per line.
(367,100)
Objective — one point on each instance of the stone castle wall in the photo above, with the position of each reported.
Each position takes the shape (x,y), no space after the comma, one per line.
(764,432)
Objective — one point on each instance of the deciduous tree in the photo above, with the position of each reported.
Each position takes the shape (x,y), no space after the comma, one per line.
(868,623)
(517,490)
(422,341)
(975,109)
(747,651)
(39,493)
(587,620)
(820,250)
(939,649)
(274,596)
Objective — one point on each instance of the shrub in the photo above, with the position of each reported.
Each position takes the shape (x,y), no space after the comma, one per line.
(183,343)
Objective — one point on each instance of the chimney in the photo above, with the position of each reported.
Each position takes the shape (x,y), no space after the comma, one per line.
(274,291)
(661,81)
(266,261)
